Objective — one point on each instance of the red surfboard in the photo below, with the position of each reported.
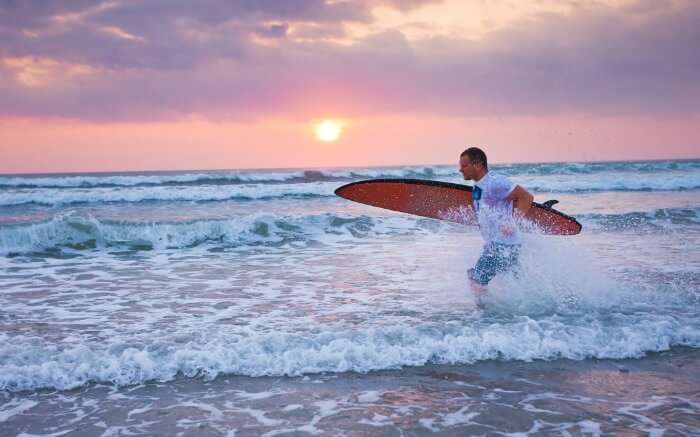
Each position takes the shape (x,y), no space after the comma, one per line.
(446,201)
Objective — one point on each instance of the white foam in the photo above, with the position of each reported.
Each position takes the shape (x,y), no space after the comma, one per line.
(590,427)
(15,407)
(623,181)
(459,417)
(34,365)
(563,183)
(129,180)
(220,177)
(369,396)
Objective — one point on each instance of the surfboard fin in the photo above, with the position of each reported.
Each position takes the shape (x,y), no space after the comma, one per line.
(550,203)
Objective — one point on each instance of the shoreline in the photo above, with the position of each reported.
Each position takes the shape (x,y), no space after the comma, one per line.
(654,394)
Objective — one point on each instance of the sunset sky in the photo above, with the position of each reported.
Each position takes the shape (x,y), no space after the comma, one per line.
(174,84)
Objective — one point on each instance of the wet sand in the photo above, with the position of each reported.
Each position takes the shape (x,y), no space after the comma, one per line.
(655,395)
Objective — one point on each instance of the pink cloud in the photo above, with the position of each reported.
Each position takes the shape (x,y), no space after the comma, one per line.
(179,60)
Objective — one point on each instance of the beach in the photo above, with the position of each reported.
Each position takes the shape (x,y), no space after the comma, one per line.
(654,395)
(250,302)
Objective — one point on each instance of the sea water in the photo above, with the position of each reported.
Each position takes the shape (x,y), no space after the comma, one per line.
(110,283)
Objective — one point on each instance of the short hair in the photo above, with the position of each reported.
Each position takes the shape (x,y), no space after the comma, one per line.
(476,155)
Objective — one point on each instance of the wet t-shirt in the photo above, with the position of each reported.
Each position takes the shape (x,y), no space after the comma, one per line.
(494,213)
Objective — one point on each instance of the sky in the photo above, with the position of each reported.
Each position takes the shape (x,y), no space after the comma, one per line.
(216,84)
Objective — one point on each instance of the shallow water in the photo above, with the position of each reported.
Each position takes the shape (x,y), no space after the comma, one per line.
(658,395)
(173,279)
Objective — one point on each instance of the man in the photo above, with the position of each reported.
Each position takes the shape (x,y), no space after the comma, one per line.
(498,204)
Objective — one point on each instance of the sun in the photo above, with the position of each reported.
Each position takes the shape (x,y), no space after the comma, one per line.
(329,130)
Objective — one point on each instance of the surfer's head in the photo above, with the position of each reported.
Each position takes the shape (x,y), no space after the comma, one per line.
(473,164)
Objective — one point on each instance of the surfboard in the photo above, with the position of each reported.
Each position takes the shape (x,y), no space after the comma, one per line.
(447,201)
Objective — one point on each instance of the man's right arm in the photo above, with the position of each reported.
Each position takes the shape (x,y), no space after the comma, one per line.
(522,200)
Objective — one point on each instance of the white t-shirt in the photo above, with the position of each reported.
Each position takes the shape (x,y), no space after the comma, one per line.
(494,213)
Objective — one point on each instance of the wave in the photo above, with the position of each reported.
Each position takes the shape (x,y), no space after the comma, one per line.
(201,193)
(259,191)
(236,177)
(665,218)
(670,181)
(221,177)
(145,180)
(28,364)
(75,232)
(582,168)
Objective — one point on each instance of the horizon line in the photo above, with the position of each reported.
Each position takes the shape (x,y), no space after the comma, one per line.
(332,167)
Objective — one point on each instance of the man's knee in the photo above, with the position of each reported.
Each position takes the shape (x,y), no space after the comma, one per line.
(478,277)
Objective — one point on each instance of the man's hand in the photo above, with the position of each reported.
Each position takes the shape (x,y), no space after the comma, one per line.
(507,230)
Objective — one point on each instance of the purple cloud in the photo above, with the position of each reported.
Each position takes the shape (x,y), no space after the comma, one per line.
(172,60)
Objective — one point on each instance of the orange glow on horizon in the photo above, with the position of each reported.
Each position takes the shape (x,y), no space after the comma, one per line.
(52,145)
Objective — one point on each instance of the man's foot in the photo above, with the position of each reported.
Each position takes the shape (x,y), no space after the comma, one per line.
(479,292)
(479,303)
(476,287)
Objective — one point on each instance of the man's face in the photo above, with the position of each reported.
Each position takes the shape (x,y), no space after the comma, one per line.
(467,169)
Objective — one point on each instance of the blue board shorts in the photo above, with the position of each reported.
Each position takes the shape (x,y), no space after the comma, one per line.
(496,258)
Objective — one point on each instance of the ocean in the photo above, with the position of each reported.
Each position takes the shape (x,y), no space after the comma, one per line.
(251,302)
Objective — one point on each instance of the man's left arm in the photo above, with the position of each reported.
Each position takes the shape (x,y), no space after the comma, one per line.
(522,200)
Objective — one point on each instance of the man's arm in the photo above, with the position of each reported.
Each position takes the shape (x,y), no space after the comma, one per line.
(522,200)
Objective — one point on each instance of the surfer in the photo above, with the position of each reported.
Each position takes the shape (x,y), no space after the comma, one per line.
(498,204)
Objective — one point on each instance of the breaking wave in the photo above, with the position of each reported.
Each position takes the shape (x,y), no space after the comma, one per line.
(28,365)
(220,178)
(200,193)
(235,177)
(665,218)
(82,231)
(311,190)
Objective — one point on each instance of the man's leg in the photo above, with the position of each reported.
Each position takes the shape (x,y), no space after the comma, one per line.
(478,290)
(482,273)
(496,258)
(477,287)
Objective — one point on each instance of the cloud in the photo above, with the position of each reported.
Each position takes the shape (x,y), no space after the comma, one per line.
(404,5)
(164,59)
(171,33)
(273,30)
(28,14)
